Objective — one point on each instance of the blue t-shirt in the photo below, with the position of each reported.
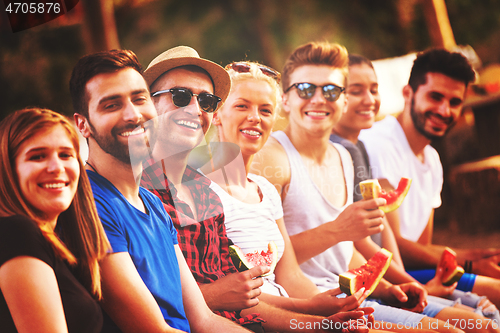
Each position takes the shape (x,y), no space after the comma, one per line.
(149,239)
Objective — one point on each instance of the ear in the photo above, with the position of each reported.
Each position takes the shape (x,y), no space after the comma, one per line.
(82,124)
(284,103)
(216,119)
(407,94)
(344,109)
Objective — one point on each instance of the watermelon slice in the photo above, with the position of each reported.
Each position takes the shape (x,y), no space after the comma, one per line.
(243,261)
(371,189)
(368,275)
(452,272)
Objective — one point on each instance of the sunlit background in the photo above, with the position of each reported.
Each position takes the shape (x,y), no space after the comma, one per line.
(36,63)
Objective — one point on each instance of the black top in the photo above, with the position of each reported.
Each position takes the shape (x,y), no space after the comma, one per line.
(20,236)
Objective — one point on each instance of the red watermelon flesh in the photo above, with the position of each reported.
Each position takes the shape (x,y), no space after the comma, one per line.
(452,272)
(368,275)
(371,189)
(243,261)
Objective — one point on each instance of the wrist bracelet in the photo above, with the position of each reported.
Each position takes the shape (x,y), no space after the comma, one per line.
(468,266)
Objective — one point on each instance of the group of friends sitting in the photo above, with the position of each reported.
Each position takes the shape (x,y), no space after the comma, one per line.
(183,162)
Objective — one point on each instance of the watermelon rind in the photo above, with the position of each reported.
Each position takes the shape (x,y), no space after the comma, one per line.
(347,280)
(371,189)
(242,264)
(454,272)
(238,258)
(454,277)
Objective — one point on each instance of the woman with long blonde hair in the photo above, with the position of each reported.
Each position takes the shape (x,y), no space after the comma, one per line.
(51,239)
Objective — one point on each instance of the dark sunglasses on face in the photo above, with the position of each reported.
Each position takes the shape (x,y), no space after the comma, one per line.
(244,67)
(331,92)
(181,97)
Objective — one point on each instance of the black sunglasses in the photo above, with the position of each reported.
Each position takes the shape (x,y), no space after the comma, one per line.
(181,97)
(244,67)
(331,92)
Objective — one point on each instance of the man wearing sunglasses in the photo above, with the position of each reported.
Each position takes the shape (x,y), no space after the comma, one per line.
(315,180)
(186,90)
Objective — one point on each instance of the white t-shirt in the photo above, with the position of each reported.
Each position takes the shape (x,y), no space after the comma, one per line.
(392,158)
(253,226)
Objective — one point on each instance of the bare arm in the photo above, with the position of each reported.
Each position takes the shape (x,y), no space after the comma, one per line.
(281,320)
(357,221)
(288,273)
(421,254)
(30,289)
(201,319)
(127,299)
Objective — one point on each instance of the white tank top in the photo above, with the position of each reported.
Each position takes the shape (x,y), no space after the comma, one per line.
(305,208)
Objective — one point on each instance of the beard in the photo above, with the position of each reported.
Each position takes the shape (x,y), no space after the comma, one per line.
(419,120)
(135,151)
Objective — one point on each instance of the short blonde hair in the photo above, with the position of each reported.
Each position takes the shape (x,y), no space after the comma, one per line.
(315,53)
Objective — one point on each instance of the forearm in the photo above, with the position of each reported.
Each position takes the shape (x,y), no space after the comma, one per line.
(286,303)
(282,320)
(215,323)
(312,242)
(298,285)
(418,256)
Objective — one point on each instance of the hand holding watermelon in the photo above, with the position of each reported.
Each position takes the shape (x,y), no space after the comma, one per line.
(358,220)
(371,189)
(435,287)
(235,292)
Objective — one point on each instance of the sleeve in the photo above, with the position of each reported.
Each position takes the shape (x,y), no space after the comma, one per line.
(227,265)
(20,236)
(168,221)
(111,224)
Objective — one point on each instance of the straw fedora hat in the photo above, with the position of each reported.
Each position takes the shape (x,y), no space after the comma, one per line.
(185,55)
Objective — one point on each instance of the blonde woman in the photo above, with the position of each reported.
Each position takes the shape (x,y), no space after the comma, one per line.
(51,239)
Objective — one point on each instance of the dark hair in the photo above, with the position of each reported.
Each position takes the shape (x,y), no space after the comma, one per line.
(451,64)
(94,64)
(315,53)
(356,59)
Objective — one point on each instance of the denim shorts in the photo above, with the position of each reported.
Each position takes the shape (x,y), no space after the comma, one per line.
(394,315)
(423,276)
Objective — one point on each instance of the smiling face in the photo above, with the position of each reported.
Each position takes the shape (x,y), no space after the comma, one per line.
(436,105)
(181,128)
(363,100)
(47,170)
(248,115)
(120,114)
(315,115)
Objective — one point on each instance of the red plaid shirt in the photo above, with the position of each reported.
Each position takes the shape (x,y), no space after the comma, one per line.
(203,241)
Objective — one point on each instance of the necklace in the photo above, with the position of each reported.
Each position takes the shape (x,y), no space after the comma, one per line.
(90,165)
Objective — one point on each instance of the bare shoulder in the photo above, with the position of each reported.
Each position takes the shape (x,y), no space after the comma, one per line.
(271,162)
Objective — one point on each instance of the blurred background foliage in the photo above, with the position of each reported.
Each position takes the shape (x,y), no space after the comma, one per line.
(36,63)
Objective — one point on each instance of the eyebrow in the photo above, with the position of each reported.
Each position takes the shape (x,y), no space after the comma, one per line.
(117,96)
(45,148)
